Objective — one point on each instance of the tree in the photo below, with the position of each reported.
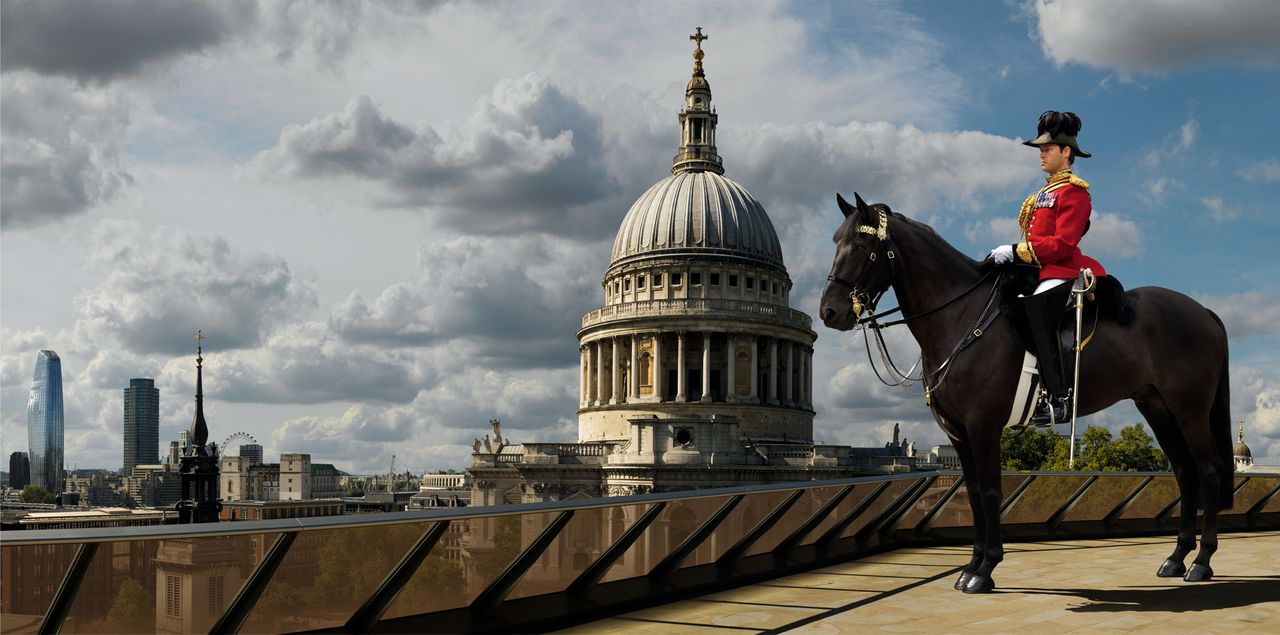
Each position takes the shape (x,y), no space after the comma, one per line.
(1097,451)
(37,494)
(1026,449)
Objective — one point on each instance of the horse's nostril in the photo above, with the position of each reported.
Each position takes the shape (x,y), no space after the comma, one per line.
(827,313)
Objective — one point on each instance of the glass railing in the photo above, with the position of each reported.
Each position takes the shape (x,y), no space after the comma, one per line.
(531,567)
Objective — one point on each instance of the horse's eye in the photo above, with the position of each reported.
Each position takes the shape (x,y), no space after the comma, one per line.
(862,247)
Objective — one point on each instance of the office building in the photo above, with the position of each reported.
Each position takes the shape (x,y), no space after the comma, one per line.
(141,423)
(19,470)
(45,423)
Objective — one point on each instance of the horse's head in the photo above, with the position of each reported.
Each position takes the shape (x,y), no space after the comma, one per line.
(861,271)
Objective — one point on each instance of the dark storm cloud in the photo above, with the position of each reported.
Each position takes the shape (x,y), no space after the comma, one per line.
(101,41)
(59,150)
(530,159)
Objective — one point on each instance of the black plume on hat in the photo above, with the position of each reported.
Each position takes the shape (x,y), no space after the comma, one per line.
(1058,128)
(1058,123)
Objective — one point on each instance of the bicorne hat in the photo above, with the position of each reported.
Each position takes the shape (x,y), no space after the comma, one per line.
(1058,128)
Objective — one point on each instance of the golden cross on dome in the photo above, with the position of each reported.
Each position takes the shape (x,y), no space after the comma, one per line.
(199,338)
(699,37)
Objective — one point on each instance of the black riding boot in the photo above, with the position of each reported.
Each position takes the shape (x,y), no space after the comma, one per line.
(1044,315)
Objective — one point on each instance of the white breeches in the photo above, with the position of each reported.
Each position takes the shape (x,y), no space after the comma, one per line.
(1045,285)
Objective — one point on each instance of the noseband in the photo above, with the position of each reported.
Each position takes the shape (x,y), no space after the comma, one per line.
(860,295)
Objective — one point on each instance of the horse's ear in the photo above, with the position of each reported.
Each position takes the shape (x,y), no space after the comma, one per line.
(862,205)
(845,207)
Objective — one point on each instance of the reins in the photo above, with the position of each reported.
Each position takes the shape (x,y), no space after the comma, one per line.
(858,299)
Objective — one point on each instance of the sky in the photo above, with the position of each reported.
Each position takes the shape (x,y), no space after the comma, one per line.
(388,218)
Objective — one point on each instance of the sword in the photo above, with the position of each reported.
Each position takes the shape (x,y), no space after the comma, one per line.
(1084,283)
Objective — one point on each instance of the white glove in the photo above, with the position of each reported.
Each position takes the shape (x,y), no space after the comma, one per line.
(1002,254)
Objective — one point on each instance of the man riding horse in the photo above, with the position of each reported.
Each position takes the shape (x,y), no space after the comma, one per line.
(1053,220)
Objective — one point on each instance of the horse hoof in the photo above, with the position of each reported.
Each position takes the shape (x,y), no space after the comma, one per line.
(963,580)
(979,584)
(1172,569)
(1198,573)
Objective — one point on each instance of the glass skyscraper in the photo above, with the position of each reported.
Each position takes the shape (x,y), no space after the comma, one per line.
(44,422)
(141,423)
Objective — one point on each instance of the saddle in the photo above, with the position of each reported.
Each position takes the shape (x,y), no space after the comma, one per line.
(1107,302)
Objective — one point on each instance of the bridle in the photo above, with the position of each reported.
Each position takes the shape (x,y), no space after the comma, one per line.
(860,293)
(863,295)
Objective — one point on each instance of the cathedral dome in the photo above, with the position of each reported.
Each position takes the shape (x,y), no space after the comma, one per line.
(693,212)
(1242,450)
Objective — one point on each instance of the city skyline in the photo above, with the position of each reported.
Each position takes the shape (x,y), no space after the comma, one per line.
(141,423)
(390,218)
(45,422)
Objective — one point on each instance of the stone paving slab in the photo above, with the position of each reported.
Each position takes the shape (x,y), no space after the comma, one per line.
(1084,586)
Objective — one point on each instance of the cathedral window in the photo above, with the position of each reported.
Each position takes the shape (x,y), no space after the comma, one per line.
(675,279)
(657,280)
(751,282)
(733,279)
(715,279)
(639,282)
(626,284)
(695,278)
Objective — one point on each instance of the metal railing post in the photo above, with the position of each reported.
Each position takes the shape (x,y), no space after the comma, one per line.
(789,543)
(497,591)
(242,604)
(363,620)
(739,549)
(588,579)
(669,564)
(66,595)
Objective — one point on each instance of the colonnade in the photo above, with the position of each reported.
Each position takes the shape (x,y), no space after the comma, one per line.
(632,368)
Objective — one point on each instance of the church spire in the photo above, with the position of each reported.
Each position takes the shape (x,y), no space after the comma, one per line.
(199,432)
(697,121)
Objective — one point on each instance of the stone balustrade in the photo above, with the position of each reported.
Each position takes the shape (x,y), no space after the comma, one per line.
(711,307)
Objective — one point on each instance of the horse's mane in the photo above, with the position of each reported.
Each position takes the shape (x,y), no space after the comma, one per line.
(948,248)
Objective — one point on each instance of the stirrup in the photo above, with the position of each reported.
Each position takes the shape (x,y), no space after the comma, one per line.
(1052,410)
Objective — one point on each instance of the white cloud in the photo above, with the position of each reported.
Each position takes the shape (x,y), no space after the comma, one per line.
(1113,236)
(1218,211)
(1246,315)
(1176,143)
(1158,189)
(1158,36)
(165,283)
(1265,171)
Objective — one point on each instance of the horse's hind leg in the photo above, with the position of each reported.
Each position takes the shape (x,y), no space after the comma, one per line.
(1211,472)
(1174,445)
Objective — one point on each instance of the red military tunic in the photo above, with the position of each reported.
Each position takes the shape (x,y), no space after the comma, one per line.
(1053,221)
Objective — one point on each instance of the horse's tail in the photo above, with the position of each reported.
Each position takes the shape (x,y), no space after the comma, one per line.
(1220,425)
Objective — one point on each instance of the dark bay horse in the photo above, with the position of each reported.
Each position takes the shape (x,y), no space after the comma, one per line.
(1172,362)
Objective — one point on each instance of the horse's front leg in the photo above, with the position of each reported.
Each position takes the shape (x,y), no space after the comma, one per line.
(975,506)
(986,458)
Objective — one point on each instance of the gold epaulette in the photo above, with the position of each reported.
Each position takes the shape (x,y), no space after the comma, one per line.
(1079,182)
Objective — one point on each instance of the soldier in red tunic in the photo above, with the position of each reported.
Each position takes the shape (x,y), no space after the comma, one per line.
(1053,220)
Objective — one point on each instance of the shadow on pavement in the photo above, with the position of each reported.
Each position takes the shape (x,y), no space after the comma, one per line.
(1221,593)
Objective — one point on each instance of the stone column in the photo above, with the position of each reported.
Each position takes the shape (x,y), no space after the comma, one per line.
(803,392)
(599,372)
(772,395)
(755,367)
(616,365)
(730,362)
(706,366)
(657,365)
(808,379)
(584,369)
(789,398)
(635,370)
(680,367)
